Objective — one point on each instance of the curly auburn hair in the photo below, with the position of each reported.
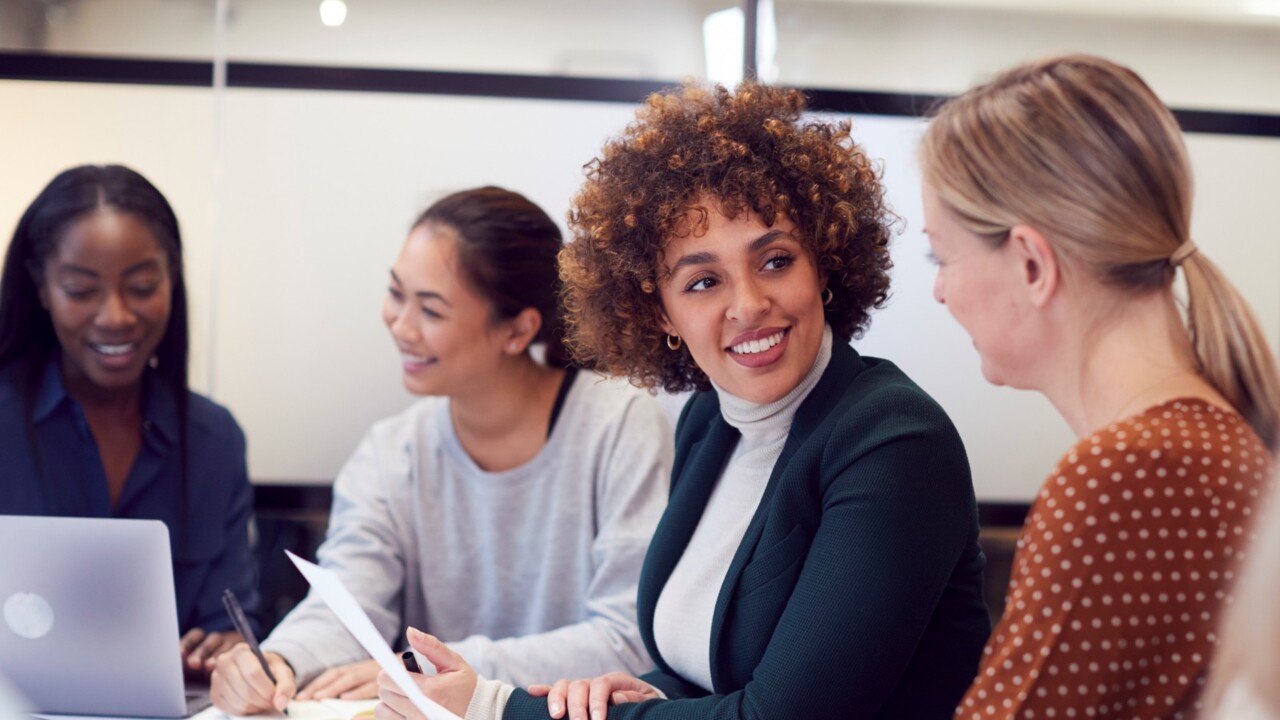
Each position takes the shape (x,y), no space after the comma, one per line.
(749,151)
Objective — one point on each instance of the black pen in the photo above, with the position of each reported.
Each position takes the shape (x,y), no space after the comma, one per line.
(241,623)
(410,662)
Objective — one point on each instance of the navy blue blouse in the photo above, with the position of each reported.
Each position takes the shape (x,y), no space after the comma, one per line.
(210,554)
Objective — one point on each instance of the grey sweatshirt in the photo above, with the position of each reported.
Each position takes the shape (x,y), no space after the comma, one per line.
(530,574)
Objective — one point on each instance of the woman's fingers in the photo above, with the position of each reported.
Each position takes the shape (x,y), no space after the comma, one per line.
(361,692)
(556,699)
(579,694)
(598,692)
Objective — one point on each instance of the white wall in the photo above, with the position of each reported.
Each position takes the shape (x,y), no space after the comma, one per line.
(884,46)
(657,38)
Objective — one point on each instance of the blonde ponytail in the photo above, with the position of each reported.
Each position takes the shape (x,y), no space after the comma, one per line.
(1232,350)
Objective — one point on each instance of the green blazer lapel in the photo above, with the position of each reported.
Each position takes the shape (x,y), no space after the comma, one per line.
(690,491)
(843,367)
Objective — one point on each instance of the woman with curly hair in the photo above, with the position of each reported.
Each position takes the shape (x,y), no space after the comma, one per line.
(818,557)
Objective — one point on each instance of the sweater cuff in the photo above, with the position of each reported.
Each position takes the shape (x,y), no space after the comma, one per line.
(488,700)
(304,663)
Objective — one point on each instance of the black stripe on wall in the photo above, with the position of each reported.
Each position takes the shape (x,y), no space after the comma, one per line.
(84,68)
(430,82)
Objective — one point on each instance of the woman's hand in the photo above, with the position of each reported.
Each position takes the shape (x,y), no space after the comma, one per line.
(357,681)
(200,650)
(581,697)
(452,686)
(240,686)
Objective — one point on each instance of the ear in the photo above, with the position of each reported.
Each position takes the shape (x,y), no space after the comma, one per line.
(664,322)
(1038,263)
(521,330)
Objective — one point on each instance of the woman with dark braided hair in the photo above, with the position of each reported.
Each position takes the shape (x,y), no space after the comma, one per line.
(818,557)
(96,419)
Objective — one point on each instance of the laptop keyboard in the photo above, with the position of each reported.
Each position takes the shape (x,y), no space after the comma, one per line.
(197,700)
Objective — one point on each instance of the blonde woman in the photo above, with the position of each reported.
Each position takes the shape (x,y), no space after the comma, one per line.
(1057,202)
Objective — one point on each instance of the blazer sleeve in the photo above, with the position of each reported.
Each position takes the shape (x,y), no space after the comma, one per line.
(896,513)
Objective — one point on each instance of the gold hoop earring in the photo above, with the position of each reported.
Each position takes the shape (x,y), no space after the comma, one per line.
(827,296)
(674,344)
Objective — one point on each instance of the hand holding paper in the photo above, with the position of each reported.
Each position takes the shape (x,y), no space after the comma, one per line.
(452,686)
(353,617)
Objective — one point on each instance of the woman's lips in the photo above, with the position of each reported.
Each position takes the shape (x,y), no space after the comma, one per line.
(759,348)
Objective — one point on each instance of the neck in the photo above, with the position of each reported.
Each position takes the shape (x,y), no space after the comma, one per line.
(506,400)
(126,401)
(1121,357)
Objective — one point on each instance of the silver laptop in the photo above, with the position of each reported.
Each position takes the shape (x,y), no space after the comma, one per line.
(89,623)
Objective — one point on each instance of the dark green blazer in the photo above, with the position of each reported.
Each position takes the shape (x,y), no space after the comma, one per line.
(857,590)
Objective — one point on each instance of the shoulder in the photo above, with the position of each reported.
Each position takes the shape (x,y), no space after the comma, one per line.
(416,424)
(210,419)
(601,404)
(875,403)
(1180,453)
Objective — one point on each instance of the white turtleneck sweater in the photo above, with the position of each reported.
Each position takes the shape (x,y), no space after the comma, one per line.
(682,617)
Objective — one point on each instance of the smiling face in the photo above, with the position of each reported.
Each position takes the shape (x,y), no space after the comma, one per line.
(746,299)
(448,341)
(107,289)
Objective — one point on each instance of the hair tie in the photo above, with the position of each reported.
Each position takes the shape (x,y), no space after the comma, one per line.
(1184,251)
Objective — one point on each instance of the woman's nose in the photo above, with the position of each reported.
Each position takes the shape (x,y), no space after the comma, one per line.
(402,328)
(114,312)
(749,301)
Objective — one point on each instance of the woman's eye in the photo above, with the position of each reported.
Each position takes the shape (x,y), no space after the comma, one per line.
(395,294)
(700,284)
(78,293)
(778,262)
(934,260)
(431,313)
(143,291)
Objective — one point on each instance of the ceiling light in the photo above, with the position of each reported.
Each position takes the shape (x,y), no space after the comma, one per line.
(722,36)
(333,12)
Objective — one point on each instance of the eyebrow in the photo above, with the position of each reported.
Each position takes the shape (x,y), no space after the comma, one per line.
(423,294)
(704,258)
(136,267)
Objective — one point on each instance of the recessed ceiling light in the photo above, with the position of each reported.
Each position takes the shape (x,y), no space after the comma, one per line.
(333,12)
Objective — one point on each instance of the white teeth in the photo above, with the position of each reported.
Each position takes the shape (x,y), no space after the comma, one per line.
(113,349)
(419,359)
(751,347)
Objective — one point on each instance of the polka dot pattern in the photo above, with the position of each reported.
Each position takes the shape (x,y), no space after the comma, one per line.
(1122,565)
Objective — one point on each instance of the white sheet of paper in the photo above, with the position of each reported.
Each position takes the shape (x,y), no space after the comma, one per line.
(328,709)
(353,617)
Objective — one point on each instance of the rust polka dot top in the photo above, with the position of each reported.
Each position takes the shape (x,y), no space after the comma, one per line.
(1121,568)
